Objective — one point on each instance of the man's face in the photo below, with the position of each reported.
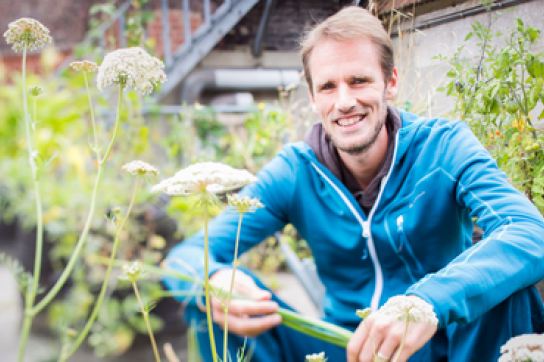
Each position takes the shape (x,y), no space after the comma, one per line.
(349,92)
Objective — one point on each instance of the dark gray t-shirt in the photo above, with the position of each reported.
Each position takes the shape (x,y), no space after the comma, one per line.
(327,154)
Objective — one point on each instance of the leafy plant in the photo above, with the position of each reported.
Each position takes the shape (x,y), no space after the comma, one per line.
(497,93)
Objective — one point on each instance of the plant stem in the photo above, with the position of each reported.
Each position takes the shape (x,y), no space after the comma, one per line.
(94,314)
(95,146)
(313,327)
(81,242)
(145,314)
(32,290)
(403,339)
(226,328)
(207,282)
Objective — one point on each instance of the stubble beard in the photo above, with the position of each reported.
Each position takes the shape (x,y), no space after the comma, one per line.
(365,144)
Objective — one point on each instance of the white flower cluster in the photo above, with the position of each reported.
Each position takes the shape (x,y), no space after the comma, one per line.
(316,357)
(244,204)
(140,168)
(414,309)
(27,32)
(133,272)
(84,65)
(212,177)
(524,348)
(133,68)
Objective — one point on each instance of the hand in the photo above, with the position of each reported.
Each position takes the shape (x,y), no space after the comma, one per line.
(386,333)
(246,317)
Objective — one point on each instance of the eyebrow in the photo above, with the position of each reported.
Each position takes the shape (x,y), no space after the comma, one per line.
(366,78)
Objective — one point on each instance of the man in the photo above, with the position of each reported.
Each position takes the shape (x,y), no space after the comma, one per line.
(385,200)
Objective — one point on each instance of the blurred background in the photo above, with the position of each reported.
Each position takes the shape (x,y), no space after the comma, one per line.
(235,94)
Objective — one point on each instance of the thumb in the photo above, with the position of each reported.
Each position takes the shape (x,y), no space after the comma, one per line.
(251,290)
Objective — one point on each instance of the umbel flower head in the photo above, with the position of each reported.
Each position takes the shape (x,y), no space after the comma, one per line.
(27,32)
(243,204)
(316,357)
(415,310)
(140,168)
(208,177)
(524,348)
(85,66)
(133,68)
(133,272)
(35,90)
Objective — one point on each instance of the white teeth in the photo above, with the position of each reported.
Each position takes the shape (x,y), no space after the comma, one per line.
(349,121)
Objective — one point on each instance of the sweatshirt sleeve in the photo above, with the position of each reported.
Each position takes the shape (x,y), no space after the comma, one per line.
(507,259)
(274,188)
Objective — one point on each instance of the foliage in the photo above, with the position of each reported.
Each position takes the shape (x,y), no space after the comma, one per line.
(496,94)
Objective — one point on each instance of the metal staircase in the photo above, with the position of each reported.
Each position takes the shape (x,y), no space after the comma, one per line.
(199,44)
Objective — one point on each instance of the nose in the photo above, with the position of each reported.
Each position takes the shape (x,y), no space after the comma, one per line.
(345,101)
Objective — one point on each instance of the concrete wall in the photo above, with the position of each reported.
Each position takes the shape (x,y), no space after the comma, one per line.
(421,74)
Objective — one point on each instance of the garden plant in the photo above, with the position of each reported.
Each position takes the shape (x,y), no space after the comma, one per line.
(133,68)
(497,93)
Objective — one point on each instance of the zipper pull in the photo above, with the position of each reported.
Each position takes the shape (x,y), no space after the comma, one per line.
(366,229)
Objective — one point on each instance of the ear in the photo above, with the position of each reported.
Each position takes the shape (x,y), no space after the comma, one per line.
(392,85)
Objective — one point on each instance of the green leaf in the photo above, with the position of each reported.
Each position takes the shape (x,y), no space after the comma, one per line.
(440,89)
(452,73)
(510,133)
(539,202)
(469,35)
(541,116)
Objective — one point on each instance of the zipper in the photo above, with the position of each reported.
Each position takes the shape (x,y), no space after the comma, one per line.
(378,289)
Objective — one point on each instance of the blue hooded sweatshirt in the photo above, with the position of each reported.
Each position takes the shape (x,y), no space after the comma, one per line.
(416,238)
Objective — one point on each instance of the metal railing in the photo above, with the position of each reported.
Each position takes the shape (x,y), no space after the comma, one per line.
(195,46)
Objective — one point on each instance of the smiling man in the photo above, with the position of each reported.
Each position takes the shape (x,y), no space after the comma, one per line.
(385,200)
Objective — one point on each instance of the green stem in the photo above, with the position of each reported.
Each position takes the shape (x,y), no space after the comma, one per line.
(94,314)
(313,327)
(81,242)
(207,283)
(145,314)
(32,291)
(226,328)
(95,146)
(403,339)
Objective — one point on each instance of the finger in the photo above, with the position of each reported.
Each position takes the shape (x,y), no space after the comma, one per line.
(374,340)
(357,341)
(252,308)
(246,286)
(390,344)
(251,327)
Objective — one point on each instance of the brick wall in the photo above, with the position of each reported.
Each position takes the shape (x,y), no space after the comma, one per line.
(287,22)
(68,21)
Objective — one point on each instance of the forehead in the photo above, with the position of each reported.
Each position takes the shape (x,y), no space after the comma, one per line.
(332,59)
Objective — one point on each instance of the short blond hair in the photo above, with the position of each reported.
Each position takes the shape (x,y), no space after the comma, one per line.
(350,23)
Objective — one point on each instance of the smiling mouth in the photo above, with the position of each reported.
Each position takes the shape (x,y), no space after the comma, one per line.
(344,122)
